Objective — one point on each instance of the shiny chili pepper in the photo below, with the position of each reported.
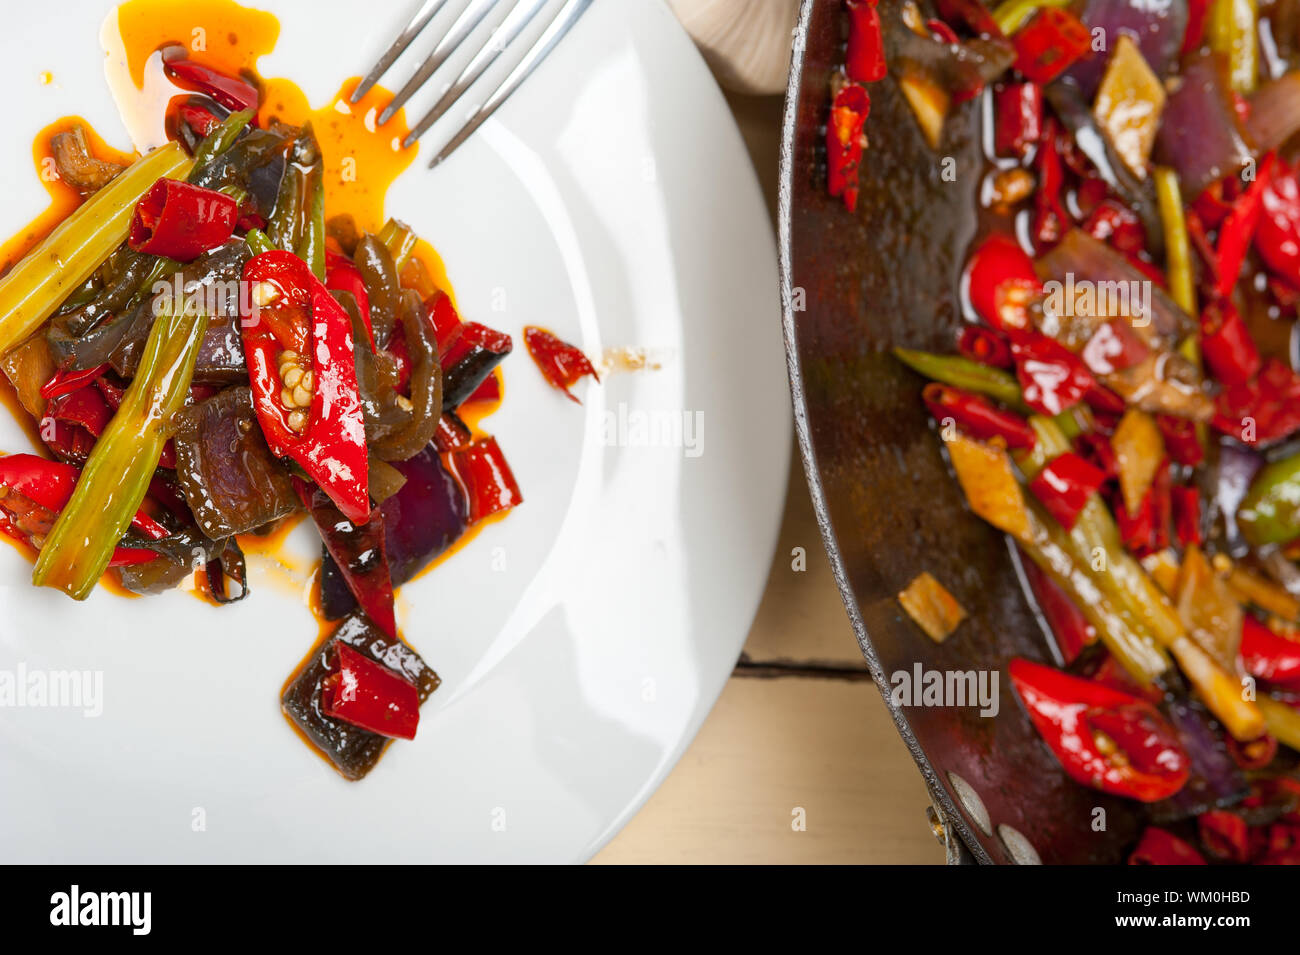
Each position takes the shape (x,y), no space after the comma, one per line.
(231,92)
(1277,237)
(489,483)
(360,553)
(1159,847)
(470,360)
(845,143)
(1267,655)
(1070,628)
(976,415)
(1255,754)
(1224,835)
(361,692)
(1113,347)
(864,60)
(74,420)
(1051,219)
(1239,228)
(447,325)
(1263,410)
(452,434)
(1186,503)
(198,118)
(1161,492)
(1137,531)
(1181,441)
(487,393)
(1002,282)
(1052,378)
(972,14)
(1195,33)
(1100,398)
(1103,738)
(181,221)
(1064,486)
(342,276)
(985,346)
(1095,447)
(66,381)
(1018,118)
(326,435)
(561,364)
(1226,344)
(1050,43)
(1117,225)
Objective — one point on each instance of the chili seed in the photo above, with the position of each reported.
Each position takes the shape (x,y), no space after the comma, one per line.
(264,293)
(291,375)
(298,420)
(301,397)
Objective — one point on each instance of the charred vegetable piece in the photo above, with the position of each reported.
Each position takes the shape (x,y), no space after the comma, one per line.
(425,401)
(369,696)
(475,355)
(232,482)
(352,750)
(932,607)
(298,343)
(76,165)
(384,287)
(561,364)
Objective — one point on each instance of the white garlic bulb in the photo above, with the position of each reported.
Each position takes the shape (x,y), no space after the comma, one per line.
(747,42)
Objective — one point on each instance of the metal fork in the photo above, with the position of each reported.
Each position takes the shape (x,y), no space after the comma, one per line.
(522,13)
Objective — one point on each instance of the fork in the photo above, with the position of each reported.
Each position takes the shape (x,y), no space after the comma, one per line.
(522,13)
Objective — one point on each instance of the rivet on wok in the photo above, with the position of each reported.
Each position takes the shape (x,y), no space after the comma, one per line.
(971,802)
(1022,851)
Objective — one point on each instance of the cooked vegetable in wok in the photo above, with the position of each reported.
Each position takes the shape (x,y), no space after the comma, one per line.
(1123,401)
(207,355)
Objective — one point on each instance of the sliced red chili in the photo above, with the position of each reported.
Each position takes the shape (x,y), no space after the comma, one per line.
(1238,229)
(1050,43)
(1018,110)
(1181,440)
(985,346)
(231,92)
(1069,626)
(845,143)
(561,364)
(1267,655)
(1263,410)
(1277,236)
(65,381)
(1160,847)
(1002,282)
(1227,345)
(977,416)
(1064,486)
(1187,515)
(1253,754)
(361,692)
(1052,378)
(181,221)
(343,276)
(1224,834)
(864,60)
(490,485)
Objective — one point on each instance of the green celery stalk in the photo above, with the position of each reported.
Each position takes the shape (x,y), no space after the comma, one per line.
(1232,29)
(116,478)
(1182,281)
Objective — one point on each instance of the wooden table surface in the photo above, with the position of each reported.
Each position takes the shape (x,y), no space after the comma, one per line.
(799,762)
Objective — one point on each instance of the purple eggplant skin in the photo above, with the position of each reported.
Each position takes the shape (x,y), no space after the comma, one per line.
(1215,782)
(421,521)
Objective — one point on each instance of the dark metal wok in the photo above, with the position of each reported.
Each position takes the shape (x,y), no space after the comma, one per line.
(888,509)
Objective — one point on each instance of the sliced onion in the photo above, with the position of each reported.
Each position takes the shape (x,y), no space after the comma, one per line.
(1157,26)
(1200,135)
(1275,112)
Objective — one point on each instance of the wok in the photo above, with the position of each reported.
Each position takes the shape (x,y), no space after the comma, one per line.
(853,286)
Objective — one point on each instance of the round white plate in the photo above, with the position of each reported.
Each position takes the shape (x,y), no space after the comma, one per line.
(582,640)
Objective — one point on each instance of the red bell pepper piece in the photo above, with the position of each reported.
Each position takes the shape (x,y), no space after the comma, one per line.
(1226,344)
(1069,627)
(1103,738)
(977,416)
(1002,282)
(1186,503)
(985,346)
(1018,125)
(1118,226)
(63,382)
(343,276)
(198,118)
(447,326)
(361,692)
(1181,441)
(1159,847)
(1095,447)
(1050,43)
(452,434)
(1224,835)
(1113,347)
(845,143)
(1136,531)
(181,221)
(1277,237)
(84,407)
(1267,655)
(1263,410)
(1254,754)
(487,393)
(329,441)
(1162,506)
(1239,228)
(1064,486)
(864,60)
(360,553)
(561,364)
(1052,378)
(231,92)
(489,483)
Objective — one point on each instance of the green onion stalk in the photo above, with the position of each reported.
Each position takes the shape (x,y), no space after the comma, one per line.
(400,240)
(115,480)
(963,373)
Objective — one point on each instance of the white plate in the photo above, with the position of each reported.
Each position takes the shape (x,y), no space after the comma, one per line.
(611,200)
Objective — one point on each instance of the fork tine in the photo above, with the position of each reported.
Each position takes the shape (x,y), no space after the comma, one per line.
(413,29)
(502,37)
(469,18)
(563,22)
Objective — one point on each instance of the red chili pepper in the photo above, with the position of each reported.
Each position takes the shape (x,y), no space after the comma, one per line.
(489,483)
(1238,229)
(1051,219)
(361,692)
(1267,655)
(203,121)
(972,14)
(864,60)
(343,276)
(1255,754)
(1158,847)
(1111,674)
(1137,531)
(1113,347)
(470,361)
(1100,398)
(1277,236)
(487,393)
(66,381)
(1117,225)
(976,415)
(231,92)
(845,142)
(452,434)
(1069,627)
(1050,43)
(1018,108)
(1095,447)
(1263,410)
(1002,282)
(360,553)
(1064,486)
(985,346)
(1103,738)
(1052,378)
(561,364)
(1201,243)
(1195,35)
(1224,835)
(1226,343)
(329,441)
(1181,440)
(1186,503)
(181,221)
(84,407)
(447,325)
(1162,506)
